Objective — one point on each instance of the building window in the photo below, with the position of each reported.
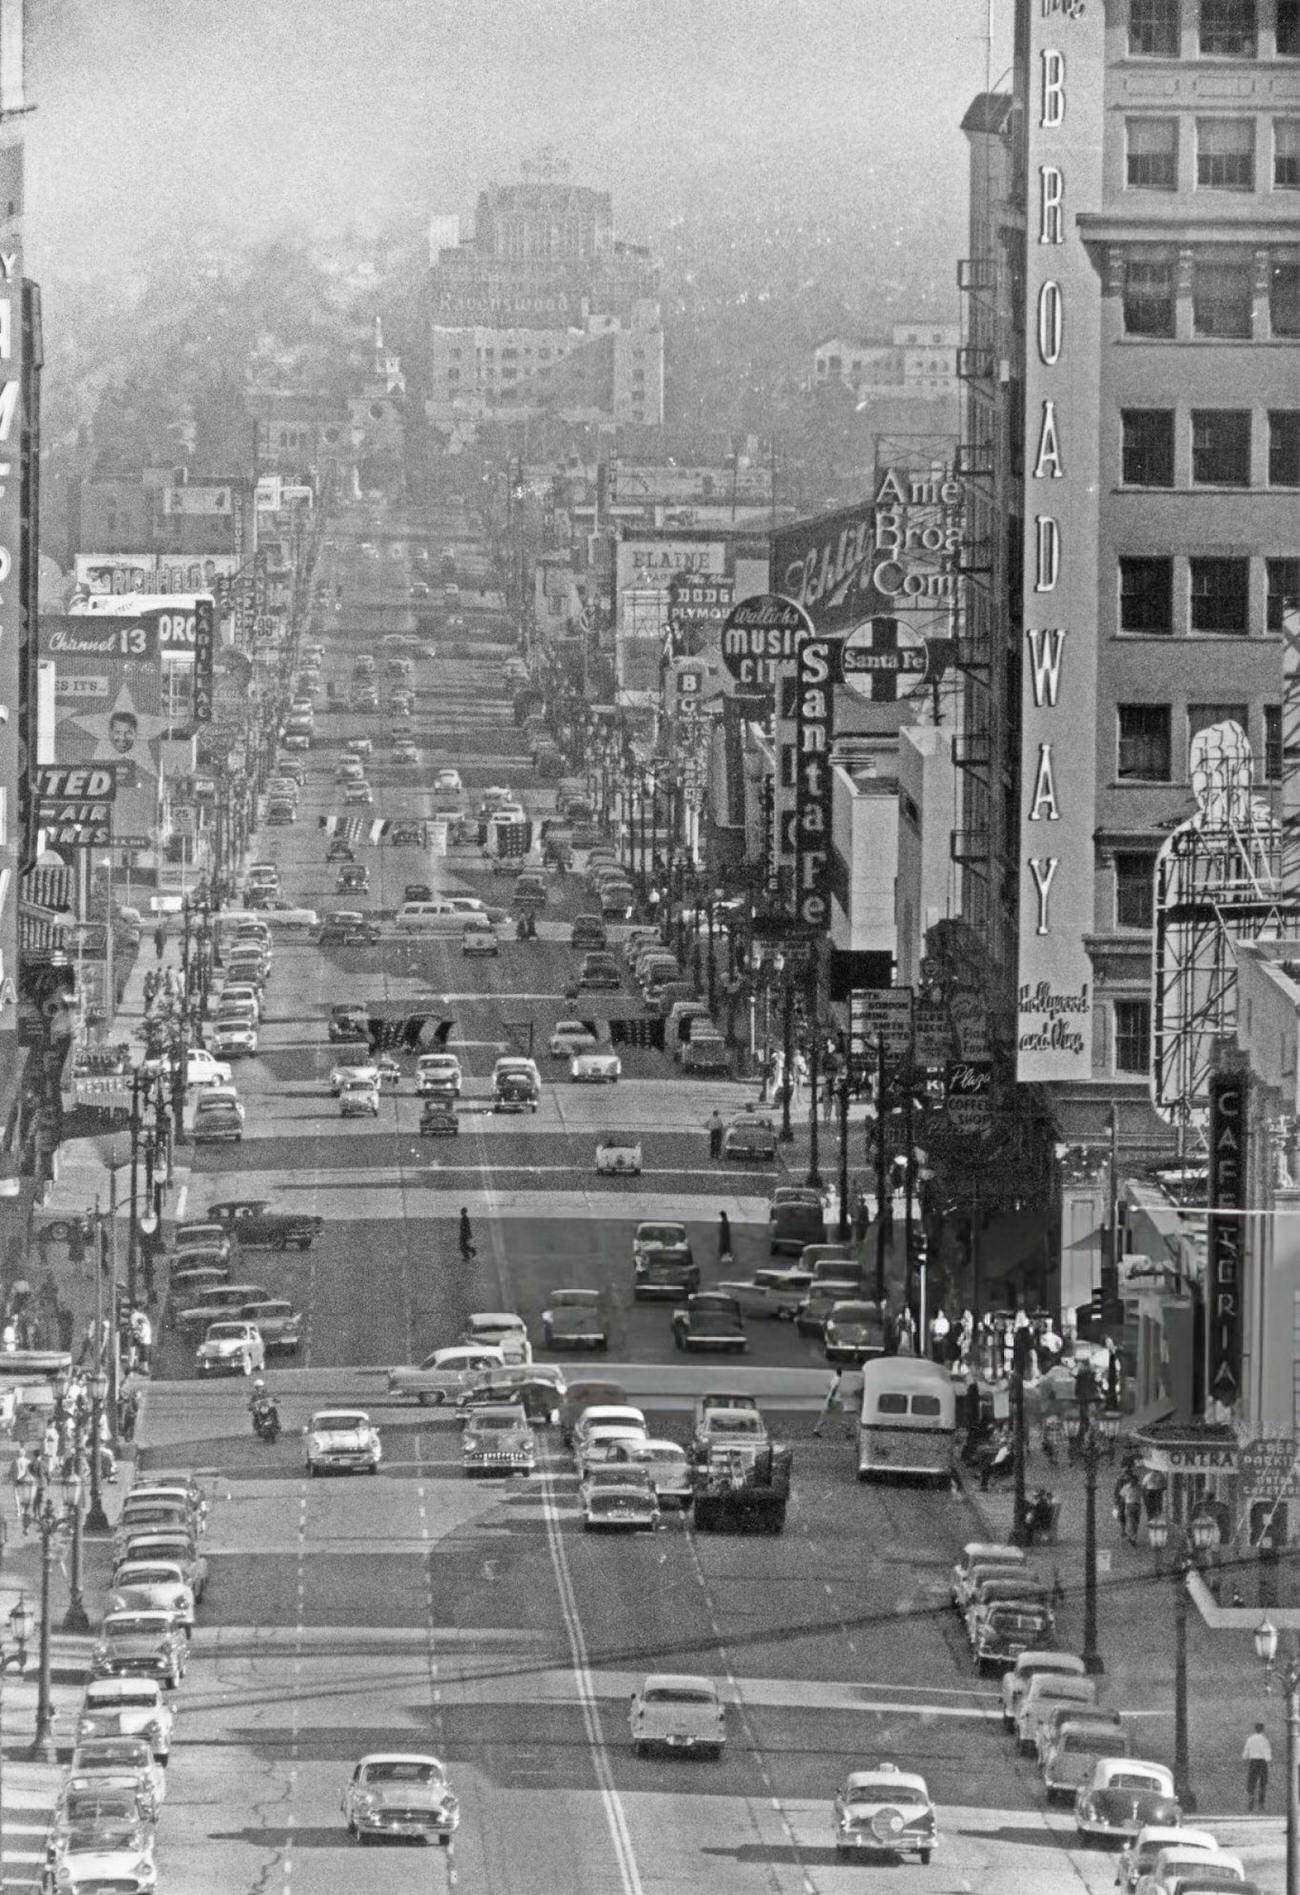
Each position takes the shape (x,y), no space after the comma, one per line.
(1149,296)
(1220,596)
(1222,295)
(1282,577)
(1228,29)
(1221,447)
(1286,154)
(1132,1036)
(1288,29)
(1204,716)
(1153,29)
(1284,296)
(1145,752)
(1284,447)
(1152,146)
(1146,596)
(1225,154)
(1148,456)
(1135,890)
(1272,743)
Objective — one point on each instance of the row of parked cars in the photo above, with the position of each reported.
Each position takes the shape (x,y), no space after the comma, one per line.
(103,1828)
(1086,1752)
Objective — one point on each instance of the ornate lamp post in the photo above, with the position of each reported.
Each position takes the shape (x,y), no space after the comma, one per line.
(1287,1675)
(50,1521)
(97,1521)
(1092,1444)
(1192,1543)
(76,1618)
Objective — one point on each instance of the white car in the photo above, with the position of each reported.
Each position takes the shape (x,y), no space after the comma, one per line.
(114,1856)
(357,792)
(399,1793)
(202,1070)
(152,1585)
(342,1441)
(118,1757)
(664,1462)
(480,940)
(349,770)
(231,1349)
(443,1375)
(448,782)
(127,1707)
(358,1097)
(498,1440)
(673,1711)
(595,1069)
(570,1037)
(358,746)
(618,1154)
(502,1330)
(237,1039)
(438,1072)
(343,1074)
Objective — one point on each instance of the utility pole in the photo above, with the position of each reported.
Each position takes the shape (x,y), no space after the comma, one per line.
(883,1203)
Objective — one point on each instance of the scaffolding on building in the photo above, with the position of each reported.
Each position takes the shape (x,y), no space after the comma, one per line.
(1218,881)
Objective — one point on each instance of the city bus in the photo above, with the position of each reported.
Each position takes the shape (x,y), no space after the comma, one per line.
(908,1423)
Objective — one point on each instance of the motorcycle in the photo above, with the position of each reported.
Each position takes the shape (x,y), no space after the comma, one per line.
(266,1421)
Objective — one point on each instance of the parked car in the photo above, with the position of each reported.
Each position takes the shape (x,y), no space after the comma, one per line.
(618,1154)
(231,1348)
(1124,1795)
(575,1319)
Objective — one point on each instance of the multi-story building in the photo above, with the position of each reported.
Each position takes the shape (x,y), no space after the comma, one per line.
(544,307)
(1131,450)
(920,359)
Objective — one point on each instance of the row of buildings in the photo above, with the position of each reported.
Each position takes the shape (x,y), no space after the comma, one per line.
(1031,818)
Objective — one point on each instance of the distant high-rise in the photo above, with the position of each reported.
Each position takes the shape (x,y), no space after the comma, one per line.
(544,308)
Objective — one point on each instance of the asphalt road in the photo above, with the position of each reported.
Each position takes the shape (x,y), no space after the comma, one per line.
(421,1610)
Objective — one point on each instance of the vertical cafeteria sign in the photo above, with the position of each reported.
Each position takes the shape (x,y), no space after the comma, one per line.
(1059,693)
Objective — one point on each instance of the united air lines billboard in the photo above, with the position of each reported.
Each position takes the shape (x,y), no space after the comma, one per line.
(1059,660)
(107,706)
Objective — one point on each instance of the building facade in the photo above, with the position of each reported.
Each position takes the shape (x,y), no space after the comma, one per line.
(1131,450)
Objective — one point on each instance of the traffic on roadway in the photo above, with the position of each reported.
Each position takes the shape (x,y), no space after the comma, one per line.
(492,1339)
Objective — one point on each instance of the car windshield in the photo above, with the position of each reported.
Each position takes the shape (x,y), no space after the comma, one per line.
(1133,1780)
(666,1236)
(137,1624)
(148,1576)
(498,1423)
(226,1332)
(728,1421)
(402,1770)
(340,1418)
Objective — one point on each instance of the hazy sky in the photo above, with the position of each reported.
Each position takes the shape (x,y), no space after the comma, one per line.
(306,114)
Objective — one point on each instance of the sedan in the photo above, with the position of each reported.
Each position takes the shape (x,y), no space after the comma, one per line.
(449,780)
(278,1323)
(438,1119)
(358,792)
(596,1068)
(153,1585)
(483,940)
(883,1811)
(570,1037)
(613,1499)
(575,1319)
(400,1793)
(141,1644)
(619,1154)
(750,1144)
(235,1039)
(342,1075)
(405,753)
(224,1121)
(339,851)
(342,1441)
(599,971)
(678,1712)
(359,1098)
(231,1349)
(1123,1796)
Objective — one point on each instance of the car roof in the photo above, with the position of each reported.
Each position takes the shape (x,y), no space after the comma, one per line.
(886,1778)
(348,1415)
(1108,1767)
(399,1756)
(679,1681)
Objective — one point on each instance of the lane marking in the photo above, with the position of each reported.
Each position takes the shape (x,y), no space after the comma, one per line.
(611,1802)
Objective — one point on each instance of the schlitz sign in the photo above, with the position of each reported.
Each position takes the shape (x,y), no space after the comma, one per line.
(1229,1097)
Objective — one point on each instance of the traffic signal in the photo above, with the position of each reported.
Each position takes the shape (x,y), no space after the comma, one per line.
(918,1250)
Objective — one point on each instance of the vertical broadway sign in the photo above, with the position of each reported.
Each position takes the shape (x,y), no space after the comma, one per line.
(1059,692)
(1229,1096)
(812,784)
(14,730)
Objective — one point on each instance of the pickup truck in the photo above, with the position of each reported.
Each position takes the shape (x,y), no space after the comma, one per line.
(711,1322)
(254,1223)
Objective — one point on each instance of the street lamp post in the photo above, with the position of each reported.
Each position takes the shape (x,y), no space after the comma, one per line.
(76,1618)
(49,1521)
(1093,1443)
(1287,1674)
(1197,1539)
(97,1521)
(814,1177)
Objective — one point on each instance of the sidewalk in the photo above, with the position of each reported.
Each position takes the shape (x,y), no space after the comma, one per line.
(1136,1635)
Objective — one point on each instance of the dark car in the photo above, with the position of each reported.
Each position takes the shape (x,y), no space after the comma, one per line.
(407,835)
(589,931)
(354,879)
(1010,1630)
(514,1092)
(438,1117)
(540,1400)
(348,1021)
(599,970)
(417,891)
(339,851)
(256,1223)
(711,1322)
(348,934)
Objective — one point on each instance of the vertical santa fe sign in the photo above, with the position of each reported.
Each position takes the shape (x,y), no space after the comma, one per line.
(1059,693)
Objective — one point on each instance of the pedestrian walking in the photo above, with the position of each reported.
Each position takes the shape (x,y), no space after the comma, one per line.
(467,1246)
(1257,1755)
(1114,1375)
(800,1076)
(142,1338)
(160,940)
(833,1404)
(1130,1508)
(715,1129)
(906,1344)
(939,1327)
(724,1238)
(965,1340)
(20,1475)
